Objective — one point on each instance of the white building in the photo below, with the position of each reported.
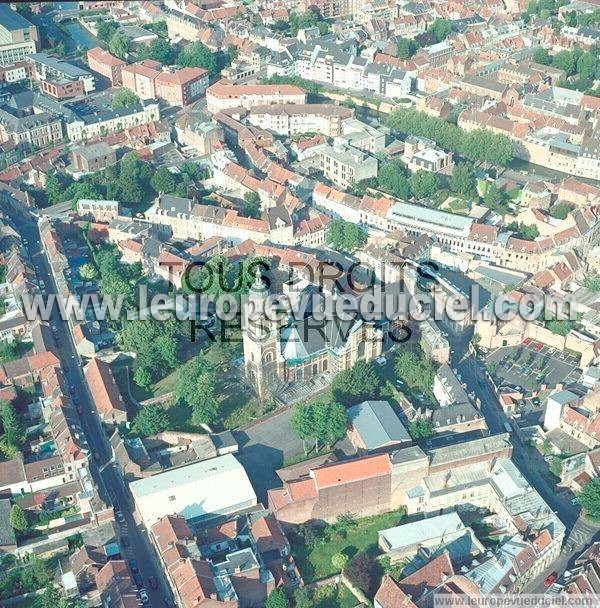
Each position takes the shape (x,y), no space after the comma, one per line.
(112,121)
(344,166)
(224,95)
(197,492)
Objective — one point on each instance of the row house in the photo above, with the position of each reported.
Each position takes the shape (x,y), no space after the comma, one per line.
(61,79)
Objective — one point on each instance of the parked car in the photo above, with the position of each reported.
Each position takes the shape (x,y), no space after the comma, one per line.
(133,566)
(96,456)
(125,541)
(144,596)
(137,579)
(119,517)
(575,501)
(550,580)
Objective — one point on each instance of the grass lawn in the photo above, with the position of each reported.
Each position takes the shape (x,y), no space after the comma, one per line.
(334,596)
(315,563)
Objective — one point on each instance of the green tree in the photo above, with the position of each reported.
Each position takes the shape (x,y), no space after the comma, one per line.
(88,271)
(124,98)
(151,419)
(163,181)
(277,599)
(8,352)
(303,598)
(53,187)
(542,56)
(17,519)
(345,236)
(565,60)
(159,50)
(524,231)
(414,369)
(440,29)
(106,30)
(406,48)
(195,386)
(339,561)
(494,199)
(142,377)
(588,66)
(51,598)
(392,178)
(302,423)
(119,45)
(560,210)
(329,422)
(251,207)
(423,184)
(420,428)
(463,179)
(130,182)
(13,429)
(357,384)
(197,55)
(589,498)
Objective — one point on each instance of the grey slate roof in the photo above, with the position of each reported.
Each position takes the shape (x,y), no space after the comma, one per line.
(377,424)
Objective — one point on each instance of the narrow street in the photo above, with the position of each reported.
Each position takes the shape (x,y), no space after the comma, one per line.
(107,476)
(580,533)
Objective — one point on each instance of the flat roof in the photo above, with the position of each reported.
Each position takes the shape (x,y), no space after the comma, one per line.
(206,476)
(433,216)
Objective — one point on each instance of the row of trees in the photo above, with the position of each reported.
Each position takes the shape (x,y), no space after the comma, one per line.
(118,43)
(323,421)
(478,145)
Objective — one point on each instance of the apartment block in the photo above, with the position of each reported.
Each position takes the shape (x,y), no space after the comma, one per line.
(224,95)
(107,65)
(345,166)
(293,119)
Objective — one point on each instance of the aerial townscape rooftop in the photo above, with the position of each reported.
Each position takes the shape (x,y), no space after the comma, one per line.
(299,303)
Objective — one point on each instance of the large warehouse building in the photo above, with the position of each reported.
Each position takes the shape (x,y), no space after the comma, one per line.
(198,492)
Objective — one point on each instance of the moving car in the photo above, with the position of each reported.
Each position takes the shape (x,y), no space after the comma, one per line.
(153,582)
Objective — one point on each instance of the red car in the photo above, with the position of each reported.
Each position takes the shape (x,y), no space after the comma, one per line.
(550,580)
(537,346)
(526,342)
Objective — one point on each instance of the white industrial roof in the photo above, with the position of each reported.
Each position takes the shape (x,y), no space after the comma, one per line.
(216,482)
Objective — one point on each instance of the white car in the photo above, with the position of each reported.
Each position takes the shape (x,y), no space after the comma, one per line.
(144,596)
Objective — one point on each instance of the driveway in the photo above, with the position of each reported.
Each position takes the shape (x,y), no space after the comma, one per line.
(263,449)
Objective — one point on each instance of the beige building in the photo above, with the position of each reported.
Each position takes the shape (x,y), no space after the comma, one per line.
(107,65)
(224,95)
(293,119)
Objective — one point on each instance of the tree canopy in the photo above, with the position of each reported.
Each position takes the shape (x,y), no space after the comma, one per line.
(589,498)
(345,236)
(251,207)
(195,387)
(420,428)
(18,519)
(124,97)
(477,145)
(323,420)
(198,55)
(151,419)
(357,384)
(159,50)
(277,599)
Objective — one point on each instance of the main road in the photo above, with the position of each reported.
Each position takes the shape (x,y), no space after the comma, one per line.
(580,533)
(107,476)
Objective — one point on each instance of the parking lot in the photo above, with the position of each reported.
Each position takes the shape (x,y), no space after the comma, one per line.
(531,364)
